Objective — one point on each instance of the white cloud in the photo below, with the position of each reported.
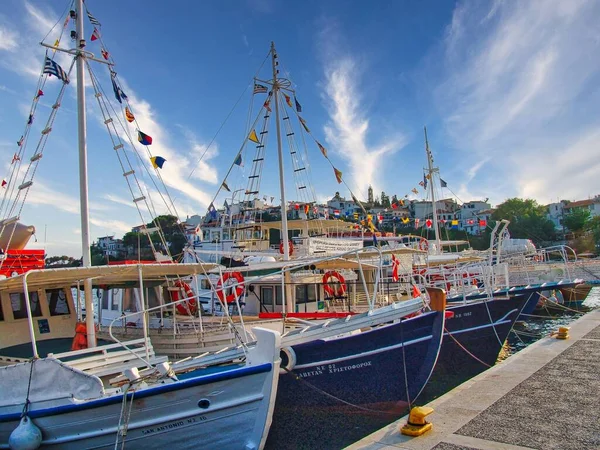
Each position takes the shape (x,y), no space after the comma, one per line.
(349,126)
(519,91)
(8,39)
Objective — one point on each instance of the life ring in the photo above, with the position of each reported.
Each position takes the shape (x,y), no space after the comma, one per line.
(290,246)
(190,306)
(424,244)
(237,292)
(339,291)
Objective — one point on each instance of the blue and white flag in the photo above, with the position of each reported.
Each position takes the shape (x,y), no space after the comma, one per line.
(52,68)
(93,20)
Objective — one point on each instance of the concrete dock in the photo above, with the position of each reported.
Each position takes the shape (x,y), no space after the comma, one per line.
(546,396)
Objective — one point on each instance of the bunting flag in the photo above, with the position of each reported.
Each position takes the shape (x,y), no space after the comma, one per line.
(470,221)
(30,120)
(260,89)
(129,115)
(338,175)
(336,212)
(323,149)
(39,94)
(267,104)
(144,139)
(454,224)
(303,122)
(56,42)
(66,22)
(425,182)
(288,100)
(253,137)
(4,183)
(50,67)
(93,20)
(224,186)
(395,267)
(20,141)
(298,106)
(227,209)
(394,206)
(443,183)
(428,176)
(117,90)
(422,183)
(414,190)
(157,162)
(95,35)
(428,223)
(405,220)
(482,223)
(380,218)
(296,206)
(238,161)
(417,223)
(104,54)
(415,291)
(306,208)
(15,158)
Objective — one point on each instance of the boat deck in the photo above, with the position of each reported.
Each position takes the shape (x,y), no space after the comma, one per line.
(545,396)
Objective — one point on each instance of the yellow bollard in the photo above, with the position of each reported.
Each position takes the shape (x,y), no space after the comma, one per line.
(563,333)
(417,425)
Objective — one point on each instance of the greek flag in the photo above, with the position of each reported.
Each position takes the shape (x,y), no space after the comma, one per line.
(54,69)
(93,20)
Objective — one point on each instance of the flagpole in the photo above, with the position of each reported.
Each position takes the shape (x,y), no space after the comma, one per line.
(436,230)
(83,178)
(284,224)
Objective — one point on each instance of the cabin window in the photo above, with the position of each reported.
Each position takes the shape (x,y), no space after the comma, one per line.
(266,295)
(102,294)
(205,284)
(17,301)
(306,293)
(57,302)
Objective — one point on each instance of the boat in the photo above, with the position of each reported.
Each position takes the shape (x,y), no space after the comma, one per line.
(115,395)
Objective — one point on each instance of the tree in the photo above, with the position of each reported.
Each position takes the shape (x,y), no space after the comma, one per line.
(527,220)
(576,220)
(385,200)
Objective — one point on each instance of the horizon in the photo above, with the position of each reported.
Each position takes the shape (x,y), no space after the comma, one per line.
(507,91)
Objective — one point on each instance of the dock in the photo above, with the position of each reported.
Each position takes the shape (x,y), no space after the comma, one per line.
(543,397)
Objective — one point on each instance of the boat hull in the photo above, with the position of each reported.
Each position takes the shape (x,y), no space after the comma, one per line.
(472,340)
(198,412)
(365,373)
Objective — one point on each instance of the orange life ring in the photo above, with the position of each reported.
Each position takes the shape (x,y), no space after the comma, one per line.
(424,244)
(237,292)
(189,307)
(290,246)
(339,291)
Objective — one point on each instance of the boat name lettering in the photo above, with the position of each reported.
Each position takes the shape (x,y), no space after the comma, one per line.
(334,369)
(466,314)
(170,426)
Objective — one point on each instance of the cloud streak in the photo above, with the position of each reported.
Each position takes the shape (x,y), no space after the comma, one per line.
(517,77)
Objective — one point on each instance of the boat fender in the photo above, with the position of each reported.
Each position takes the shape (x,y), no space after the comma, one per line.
(26,436)
(416,424)
(288,360)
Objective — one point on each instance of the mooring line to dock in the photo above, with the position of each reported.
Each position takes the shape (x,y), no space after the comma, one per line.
(465,349)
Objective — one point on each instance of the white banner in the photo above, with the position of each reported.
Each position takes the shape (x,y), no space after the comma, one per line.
(331,246)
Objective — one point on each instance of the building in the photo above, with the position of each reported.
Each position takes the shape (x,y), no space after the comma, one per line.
(556,213)
(422,210)
(111,247)
(592,205)
(346,208)
(474,216)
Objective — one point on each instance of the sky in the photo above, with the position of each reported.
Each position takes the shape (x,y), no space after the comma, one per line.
(508,90)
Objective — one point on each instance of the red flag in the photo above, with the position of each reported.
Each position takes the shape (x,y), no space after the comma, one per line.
(95,35)
(15,158)
(415,291)
(4,183)
(482,223)
(39,94)
(288,100)
(104,53)
(395,266)
(428,223)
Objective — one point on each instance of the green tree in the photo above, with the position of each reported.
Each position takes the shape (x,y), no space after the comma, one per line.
(576,220)
(527,220)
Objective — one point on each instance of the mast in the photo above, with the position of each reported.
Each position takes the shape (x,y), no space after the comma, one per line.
(430,171)
(83,179)
(289,303)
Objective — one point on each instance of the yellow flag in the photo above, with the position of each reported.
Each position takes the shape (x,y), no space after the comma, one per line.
(56,43)
(323,149)
(253,137)
(338,175)
(405,220)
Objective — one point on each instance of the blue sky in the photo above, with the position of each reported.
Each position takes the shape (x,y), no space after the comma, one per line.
(508,91)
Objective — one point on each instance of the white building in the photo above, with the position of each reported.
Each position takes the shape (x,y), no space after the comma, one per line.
(556,213)
(346,208)
(592,205)
(473,216)
(110,246)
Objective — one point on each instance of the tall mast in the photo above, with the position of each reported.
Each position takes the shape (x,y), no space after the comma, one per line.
(83,179)
(289,301)
(430,171)
(284,223)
